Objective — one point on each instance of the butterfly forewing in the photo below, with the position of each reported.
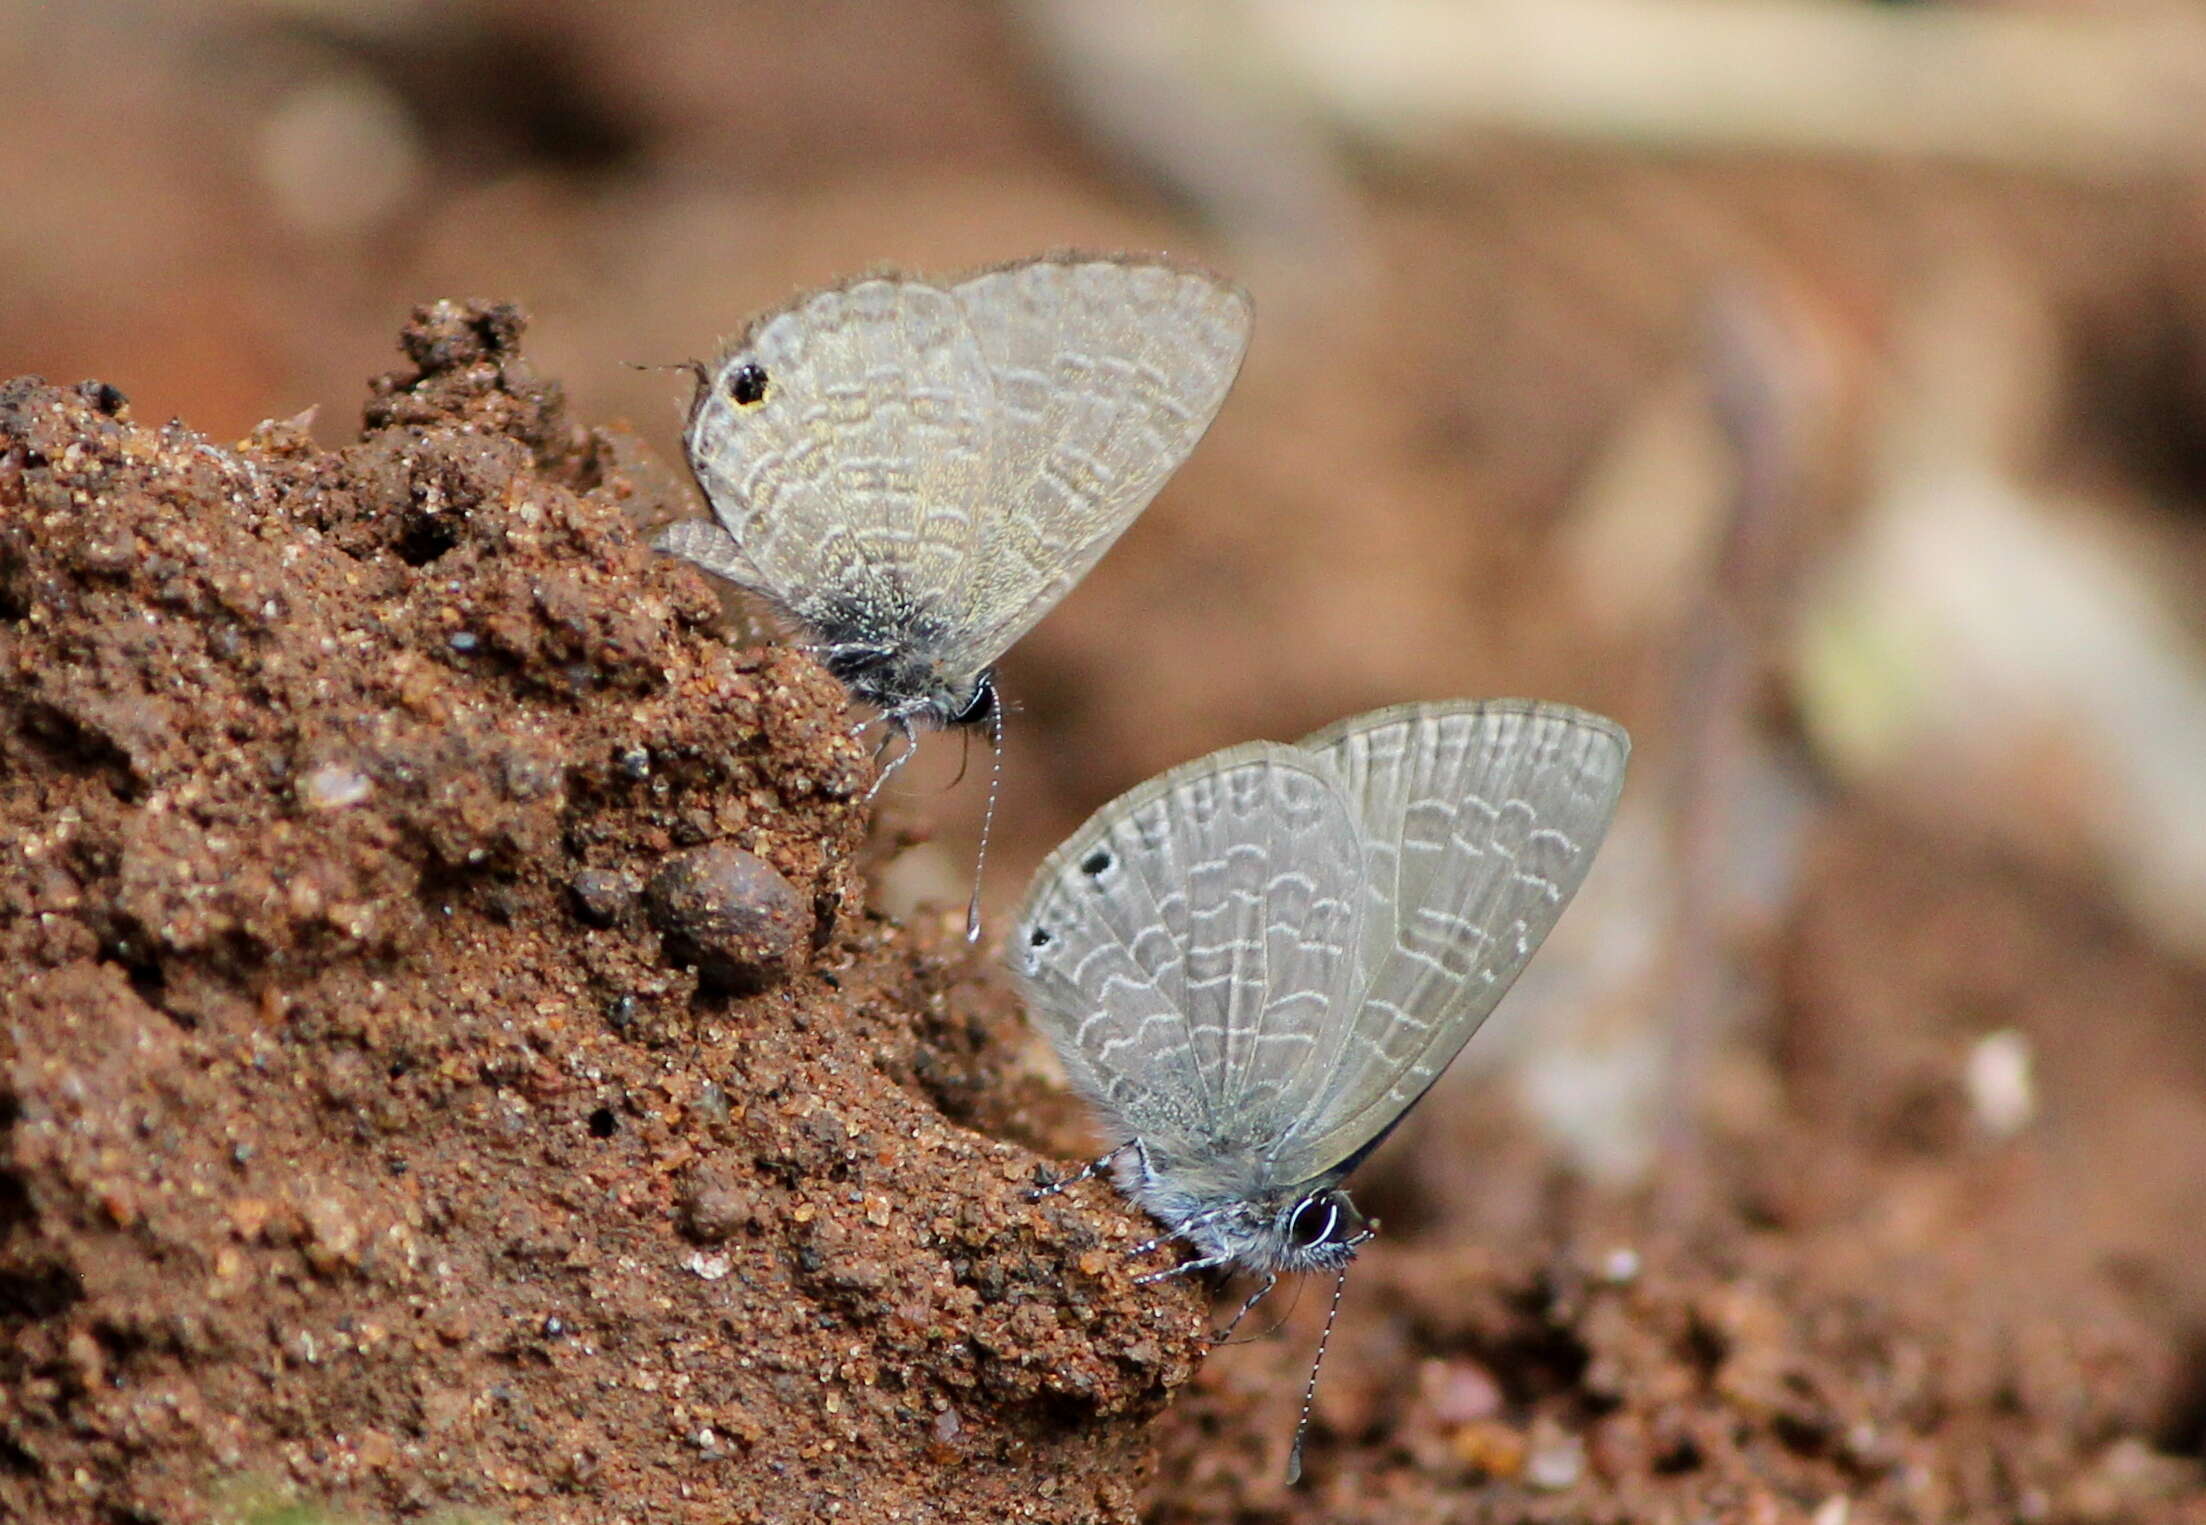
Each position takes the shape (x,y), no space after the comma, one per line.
(855,475)
(1190,949)
(1478,823)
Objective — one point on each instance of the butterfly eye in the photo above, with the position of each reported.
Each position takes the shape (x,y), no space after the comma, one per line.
(748,384)
(980,705)
(1315,1221)
(1038,938)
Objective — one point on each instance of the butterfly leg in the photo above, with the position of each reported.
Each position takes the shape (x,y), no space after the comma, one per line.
(1254,1298)
(1184,1268)
(903,727)
(1093,1168)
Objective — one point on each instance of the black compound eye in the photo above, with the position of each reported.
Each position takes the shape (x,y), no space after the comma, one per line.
(980,705)
(1316,1220)
(1038,938)
(747,384)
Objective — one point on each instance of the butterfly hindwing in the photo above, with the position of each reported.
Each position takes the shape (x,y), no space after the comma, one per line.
(1478,821)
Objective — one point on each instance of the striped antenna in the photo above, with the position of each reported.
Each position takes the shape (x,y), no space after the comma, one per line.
(1309,1388)
(988,818)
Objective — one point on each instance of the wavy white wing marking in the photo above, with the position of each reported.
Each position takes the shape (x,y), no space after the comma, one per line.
(1479,821)
(1193,943)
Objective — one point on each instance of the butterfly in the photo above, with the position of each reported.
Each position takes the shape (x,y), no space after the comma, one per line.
(914,474)
(1255,965)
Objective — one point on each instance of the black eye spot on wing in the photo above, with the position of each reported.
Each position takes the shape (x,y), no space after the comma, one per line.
(1039,938)
(1095,863)
(747,384)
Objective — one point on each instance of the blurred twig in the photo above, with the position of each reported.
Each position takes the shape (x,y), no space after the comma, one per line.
(1755,385)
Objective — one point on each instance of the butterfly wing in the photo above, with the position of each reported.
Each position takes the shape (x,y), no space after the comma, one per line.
(845,444)
(1194,943)
(1105,373)
(1478,821)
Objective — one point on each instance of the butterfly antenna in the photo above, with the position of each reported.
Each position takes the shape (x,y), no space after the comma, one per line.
(987,820)
(1309,1388)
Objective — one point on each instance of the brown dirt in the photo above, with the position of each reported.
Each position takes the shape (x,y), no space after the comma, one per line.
(359,1133)
(366,1133)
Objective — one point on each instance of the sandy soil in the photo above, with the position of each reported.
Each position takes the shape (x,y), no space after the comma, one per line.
(360,1130)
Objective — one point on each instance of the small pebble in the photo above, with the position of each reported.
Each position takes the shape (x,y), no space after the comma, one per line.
(731,914)
(2001,1088)
(1459,1392)
(712,1104)
(712,1206)
(333,786)
(603,897)
(104,396)
(1489,1448)
(1556,1461)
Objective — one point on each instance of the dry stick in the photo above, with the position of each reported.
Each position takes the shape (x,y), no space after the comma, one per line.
(1754,377)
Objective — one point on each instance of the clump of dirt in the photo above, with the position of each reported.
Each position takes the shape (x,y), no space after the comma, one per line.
(448,1060)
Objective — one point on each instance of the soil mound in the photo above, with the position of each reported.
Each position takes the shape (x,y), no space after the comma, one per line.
(447,1057)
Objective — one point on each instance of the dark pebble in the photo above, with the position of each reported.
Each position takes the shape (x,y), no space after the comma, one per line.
(603,897)
(730,913)
(105,396)
(620,1012)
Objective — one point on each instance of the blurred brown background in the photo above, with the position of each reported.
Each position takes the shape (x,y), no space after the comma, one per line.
(1816,385)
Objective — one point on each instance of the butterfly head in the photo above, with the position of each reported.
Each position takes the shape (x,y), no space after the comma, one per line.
(1307,1227)
(1303,1231)
(908,686)
(978,706)
(1317,1232)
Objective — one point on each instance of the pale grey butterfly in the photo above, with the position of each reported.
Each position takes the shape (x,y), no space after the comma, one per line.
(1256,964)
(915,473)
